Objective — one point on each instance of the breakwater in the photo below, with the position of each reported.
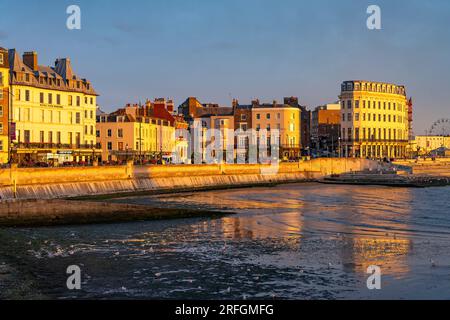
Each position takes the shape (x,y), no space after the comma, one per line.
(59,212)
(53,183)
(435,168)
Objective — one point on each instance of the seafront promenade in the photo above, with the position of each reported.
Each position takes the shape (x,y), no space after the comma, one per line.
(54,183)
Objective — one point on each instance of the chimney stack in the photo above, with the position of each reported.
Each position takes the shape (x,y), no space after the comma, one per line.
(31,60)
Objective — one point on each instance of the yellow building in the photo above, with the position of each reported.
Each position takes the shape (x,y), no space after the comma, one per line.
(4,106)
(53,111)
(425,144)
(374,120)
(284,118)
(139,133)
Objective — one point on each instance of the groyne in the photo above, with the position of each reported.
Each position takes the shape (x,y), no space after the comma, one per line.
(59,212)
(54,183)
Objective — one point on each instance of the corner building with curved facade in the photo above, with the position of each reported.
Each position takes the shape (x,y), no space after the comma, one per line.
(374,120)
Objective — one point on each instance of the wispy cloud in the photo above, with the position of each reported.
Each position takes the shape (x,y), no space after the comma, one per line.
(3,35)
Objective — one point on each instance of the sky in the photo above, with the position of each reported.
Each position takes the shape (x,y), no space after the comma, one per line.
(217,50)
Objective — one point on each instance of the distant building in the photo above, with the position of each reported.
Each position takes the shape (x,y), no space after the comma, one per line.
(141,133)
(424,145)
(305,124)
(53,111)
(326,128)
(192,108)
(283,117)
(4,106)
(375,120)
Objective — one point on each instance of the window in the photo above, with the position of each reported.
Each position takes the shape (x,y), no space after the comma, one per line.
(97,133)
(50,137)
(109,133)
(78,118)
(92,101)
(27,95)
(349,117)
(258,116)
(110,145)
(70,100)
(58,137)
(357,104)
(1,128)
(349,104)
(50,98)
(268,116)
(343,117)
(120,133)
(1,145)
(243,117)
(1,111)
(26,134)
(78,101)
(1,58)
(41,136)
(41,97)
(356,116)
(58,99)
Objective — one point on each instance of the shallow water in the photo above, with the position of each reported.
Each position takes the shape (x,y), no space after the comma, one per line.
(297,241)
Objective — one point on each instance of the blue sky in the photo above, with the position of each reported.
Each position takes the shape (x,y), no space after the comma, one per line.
(219,49)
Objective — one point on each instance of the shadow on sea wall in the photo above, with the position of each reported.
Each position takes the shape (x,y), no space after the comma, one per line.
(53,183)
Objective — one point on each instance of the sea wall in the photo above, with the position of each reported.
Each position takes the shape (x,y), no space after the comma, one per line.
(52,183)
(439,167)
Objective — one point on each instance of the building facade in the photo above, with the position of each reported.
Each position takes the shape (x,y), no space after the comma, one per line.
(53,111)
(138,132)
(285,119)
(374,120)
(326,129)
(305,124)
(4,106)
(424,145)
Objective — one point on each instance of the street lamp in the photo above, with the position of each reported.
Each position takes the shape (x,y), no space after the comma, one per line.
(339,147)
(126,152)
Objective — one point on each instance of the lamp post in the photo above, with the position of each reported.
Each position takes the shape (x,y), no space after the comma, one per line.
(126,152)
(339,146)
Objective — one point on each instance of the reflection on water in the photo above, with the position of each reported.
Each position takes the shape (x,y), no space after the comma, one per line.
(291,241)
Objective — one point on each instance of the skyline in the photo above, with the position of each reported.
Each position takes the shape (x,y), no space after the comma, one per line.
(225,54)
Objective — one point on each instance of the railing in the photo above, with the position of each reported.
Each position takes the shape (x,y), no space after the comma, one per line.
(37,145)
(375,140)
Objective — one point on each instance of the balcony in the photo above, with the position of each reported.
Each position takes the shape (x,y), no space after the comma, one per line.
(45,145)
(374,140)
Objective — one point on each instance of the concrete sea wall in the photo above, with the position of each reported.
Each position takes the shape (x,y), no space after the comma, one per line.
(52,183)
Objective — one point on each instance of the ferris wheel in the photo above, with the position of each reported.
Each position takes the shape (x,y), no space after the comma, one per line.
(440,127)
